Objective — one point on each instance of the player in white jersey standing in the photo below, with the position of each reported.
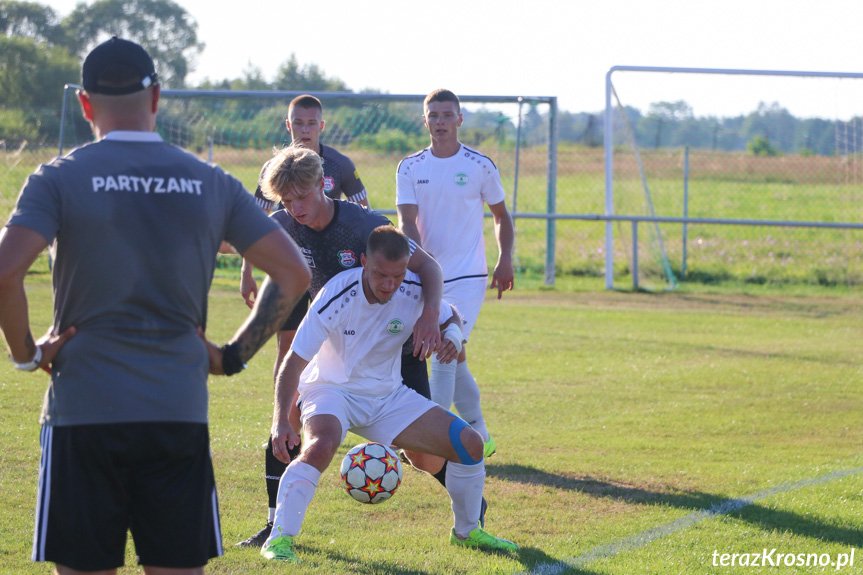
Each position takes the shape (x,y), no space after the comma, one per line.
(440,192)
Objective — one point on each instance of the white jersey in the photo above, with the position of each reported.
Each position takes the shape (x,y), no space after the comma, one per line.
(449,195)
(354,344)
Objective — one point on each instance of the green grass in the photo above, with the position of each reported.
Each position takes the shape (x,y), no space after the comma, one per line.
(615,413)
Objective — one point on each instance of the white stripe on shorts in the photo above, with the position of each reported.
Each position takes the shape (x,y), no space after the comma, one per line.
(43,494)
(217,526)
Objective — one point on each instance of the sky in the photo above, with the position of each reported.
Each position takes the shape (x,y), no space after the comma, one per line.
(561,48)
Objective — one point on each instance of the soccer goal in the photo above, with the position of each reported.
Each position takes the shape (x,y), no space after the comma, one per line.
(239,130)
(747,174)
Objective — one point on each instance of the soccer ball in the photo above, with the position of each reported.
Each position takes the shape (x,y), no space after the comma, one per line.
(371,472)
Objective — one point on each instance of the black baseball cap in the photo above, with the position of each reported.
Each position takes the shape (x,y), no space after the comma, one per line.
(116,67)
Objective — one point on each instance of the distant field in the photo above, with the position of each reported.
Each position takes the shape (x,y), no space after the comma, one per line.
(637,433)
(722,185)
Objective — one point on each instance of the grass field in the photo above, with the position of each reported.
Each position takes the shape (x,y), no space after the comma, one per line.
(637,433)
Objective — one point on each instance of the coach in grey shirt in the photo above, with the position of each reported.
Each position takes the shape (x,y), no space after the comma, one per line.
(134,226)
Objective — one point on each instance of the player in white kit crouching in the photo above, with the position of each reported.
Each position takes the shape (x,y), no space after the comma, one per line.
(345,361)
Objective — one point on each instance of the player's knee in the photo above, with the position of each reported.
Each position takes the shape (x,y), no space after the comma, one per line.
(320,450)
(473,443)
(466,442)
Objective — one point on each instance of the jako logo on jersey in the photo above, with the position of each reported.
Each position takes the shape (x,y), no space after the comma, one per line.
(350,332)
(329,184)
(307,253)
(347,259)
(395,326)
(422,181)
(461,179)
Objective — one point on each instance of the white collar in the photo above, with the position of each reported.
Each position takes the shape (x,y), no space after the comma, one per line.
(131,136)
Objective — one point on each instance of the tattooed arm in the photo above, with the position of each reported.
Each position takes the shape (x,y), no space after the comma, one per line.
(289,276)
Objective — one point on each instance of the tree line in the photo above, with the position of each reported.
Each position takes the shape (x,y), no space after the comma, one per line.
(768,130)
(40,52)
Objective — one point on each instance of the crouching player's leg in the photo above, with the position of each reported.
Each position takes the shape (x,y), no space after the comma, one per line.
(415,376)
(322,436)
(441,433)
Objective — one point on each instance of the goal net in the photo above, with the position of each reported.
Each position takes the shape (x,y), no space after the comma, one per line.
(239,130)
(742,146)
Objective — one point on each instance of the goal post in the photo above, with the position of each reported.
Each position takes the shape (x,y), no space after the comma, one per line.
(802,167)
(239,129)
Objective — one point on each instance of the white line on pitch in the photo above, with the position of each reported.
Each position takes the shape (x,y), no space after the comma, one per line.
(645,537)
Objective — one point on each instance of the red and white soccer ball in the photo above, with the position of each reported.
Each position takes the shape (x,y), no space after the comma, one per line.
(371,472)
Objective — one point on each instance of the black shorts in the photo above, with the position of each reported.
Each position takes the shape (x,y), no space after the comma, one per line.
(415,374)
(298,313)
(96,482)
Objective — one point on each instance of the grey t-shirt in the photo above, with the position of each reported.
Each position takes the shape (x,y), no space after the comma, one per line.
(135,225)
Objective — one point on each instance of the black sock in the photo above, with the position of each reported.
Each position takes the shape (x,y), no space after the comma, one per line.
(441,475)
(273,470)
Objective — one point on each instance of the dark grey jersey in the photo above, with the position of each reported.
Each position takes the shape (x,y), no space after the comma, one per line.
(338,246)
(135,225)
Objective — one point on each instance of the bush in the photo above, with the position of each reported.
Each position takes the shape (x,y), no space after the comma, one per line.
(16,126)
(391,142)
(759,146)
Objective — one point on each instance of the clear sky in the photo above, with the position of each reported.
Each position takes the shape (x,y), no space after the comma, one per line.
(557,48)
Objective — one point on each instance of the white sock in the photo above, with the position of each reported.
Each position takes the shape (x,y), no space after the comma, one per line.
(442,382)
(296,489)
(271,515)
(465,483)
(466,399)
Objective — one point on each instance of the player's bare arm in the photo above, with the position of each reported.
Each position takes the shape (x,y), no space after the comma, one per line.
(451,338)
(226,248)
(248,285)
(408,222)
(287,381)
(503,276)
(19,248)
(288,278)
(426,331)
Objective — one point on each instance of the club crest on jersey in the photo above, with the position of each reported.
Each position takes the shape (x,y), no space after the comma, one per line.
(396,326)
(461,179)
(347,259)
(329,184)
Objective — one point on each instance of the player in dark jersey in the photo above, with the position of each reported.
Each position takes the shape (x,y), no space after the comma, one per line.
(305,123)
(332,234)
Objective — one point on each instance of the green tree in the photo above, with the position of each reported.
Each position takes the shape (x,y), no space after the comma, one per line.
(163,27)
(307,78)
(32,75)
(31,20)
(759,146)
(667,114)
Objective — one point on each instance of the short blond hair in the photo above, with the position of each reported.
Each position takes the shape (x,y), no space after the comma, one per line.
(291,169)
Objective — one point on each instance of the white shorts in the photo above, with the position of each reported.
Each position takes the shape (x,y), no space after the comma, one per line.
(378,419)
(467,296)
